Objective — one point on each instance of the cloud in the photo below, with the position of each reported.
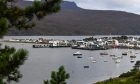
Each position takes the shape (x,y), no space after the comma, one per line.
(132,6)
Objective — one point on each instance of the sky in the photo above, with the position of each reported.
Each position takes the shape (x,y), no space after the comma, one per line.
(132,6)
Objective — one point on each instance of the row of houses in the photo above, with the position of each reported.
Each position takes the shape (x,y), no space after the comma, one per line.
(90,44)
(101,43)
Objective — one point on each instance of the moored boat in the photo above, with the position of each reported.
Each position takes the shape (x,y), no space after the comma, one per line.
(124,53)
(117,61)
(112,55)
(136,53)
(132,61)
(105,61)
(114,58)
(77,53)
(93,61)
(79,56)
(91,57)
(104,53)
(132,56)
(86,66)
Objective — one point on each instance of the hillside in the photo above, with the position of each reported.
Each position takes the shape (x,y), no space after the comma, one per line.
(130,77)
(72,20)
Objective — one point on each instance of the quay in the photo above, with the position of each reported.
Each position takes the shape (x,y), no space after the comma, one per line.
(47,46)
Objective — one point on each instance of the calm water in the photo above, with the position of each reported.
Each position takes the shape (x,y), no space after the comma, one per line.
(42,61)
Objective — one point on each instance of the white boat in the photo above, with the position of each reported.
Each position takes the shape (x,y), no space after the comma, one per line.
(77,53)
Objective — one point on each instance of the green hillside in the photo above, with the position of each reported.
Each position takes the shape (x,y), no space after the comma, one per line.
(131,77)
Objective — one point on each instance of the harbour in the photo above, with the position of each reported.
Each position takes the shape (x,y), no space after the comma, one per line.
(91,67)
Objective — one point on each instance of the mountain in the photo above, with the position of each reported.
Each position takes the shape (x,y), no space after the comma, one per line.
(72,20)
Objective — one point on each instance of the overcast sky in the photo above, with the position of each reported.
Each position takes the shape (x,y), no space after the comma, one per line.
(132,6)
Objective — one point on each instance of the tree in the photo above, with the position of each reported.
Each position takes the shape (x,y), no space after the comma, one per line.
(23,18)
(13,16)
(10,61)
(59,77)
(137,65)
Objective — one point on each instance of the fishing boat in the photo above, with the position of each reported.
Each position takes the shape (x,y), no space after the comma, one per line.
(77,53)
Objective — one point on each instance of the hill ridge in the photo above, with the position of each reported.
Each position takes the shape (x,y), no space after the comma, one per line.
(72,20)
